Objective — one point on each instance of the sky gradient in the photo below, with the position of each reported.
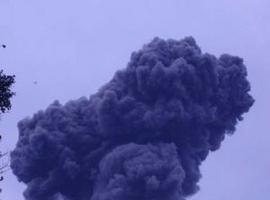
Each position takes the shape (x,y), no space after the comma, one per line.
(62,45)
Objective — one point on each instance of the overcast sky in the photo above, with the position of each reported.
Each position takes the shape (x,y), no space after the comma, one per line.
(71,48)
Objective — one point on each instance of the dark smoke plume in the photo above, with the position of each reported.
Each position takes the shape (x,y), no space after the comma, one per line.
(143,135)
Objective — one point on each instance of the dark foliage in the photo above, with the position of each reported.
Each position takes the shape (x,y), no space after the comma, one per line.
(6,82)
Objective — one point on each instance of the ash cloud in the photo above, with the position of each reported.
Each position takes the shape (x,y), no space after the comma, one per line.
(143,135)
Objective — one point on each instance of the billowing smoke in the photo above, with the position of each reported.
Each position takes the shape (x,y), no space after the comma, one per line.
(143,135)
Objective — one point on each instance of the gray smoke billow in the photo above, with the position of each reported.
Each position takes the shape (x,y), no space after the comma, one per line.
(143,135)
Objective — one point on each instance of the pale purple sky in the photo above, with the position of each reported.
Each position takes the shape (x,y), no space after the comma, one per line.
(71,48)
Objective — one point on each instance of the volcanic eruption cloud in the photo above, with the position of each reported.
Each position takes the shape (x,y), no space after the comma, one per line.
(143,135)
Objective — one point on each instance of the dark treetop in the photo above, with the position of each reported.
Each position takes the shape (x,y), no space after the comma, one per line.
(6,82)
